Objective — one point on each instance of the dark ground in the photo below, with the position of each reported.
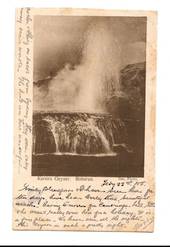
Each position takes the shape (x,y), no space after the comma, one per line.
(103,166)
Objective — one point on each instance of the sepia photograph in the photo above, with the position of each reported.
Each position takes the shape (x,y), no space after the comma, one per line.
(89,96)
(84,120)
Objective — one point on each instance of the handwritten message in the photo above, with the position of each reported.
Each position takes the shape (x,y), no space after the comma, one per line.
(121,205)
(23,81)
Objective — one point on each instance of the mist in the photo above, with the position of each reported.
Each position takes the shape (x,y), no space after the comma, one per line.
(85,87)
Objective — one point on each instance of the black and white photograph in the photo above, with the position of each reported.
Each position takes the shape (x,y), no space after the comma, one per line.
(89,96)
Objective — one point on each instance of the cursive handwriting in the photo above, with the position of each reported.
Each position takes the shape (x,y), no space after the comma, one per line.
(126,205)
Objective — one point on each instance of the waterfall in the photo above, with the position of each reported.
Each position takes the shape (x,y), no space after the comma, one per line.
(77,133)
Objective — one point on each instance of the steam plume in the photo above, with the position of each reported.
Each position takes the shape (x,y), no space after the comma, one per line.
(85,87)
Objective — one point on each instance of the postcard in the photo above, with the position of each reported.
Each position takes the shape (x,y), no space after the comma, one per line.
(84,131)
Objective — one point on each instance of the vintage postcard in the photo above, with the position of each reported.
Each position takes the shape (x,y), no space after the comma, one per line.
(84,131)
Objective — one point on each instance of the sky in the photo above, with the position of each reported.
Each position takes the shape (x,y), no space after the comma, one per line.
(58,40)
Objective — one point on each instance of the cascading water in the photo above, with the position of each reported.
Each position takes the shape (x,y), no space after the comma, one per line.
(85,89)
(77,133)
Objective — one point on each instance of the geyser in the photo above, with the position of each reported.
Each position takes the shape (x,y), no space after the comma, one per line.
(74,101)
(101,58)
(85,87)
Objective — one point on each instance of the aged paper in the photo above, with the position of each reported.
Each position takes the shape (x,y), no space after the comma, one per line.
(84,120)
